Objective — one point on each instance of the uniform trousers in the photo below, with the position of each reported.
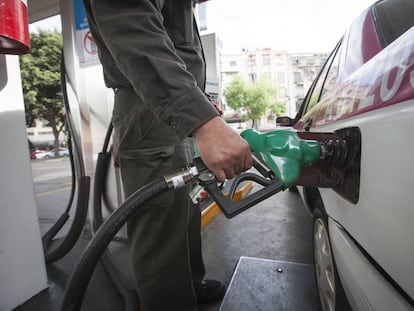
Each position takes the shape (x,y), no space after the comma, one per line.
(164,233)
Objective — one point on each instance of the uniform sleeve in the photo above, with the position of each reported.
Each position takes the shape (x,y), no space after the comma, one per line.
(134,34)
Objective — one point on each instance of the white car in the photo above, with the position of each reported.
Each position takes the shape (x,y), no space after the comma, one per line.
(363,229)
(63,152)
(40,154)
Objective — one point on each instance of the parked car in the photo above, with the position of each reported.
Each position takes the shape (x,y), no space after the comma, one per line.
(40,154)
(363,246)
(63,152)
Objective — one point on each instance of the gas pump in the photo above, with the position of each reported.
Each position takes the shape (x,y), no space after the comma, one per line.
(89,106)
(19,227)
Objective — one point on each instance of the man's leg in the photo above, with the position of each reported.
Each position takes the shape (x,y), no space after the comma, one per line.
(158,232)
(160,242)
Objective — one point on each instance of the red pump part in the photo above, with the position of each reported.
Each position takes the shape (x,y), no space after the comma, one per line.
(14,27)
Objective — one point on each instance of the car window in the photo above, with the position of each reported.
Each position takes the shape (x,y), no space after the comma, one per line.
(393,18)
(360,43)
(331,77)
(318,88)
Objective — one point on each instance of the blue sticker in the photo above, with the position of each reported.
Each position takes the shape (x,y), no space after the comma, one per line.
(81,21)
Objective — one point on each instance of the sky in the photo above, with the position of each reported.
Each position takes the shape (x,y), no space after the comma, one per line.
(290,25)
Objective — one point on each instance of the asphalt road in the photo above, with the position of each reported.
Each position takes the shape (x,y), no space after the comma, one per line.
(52,180)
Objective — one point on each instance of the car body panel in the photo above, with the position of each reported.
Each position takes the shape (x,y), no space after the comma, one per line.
(381,221)
(376,94)
(358,276)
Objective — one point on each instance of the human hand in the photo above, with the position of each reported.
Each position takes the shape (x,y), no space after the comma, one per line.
(222,149)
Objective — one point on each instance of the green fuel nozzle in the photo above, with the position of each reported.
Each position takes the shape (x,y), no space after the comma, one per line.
(283,152)
(285,158)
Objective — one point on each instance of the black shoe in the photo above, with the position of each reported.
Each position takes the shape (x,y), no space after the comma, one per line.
(209,291)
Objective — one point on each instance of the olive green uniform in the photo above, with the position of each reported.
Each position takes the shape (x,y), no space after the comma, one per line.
(152,57)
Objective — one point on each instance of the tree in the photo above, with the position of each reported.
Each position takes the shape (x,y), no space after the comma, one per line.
(255,99)
(235,93)
(257,102)
(276,107)
(40,71)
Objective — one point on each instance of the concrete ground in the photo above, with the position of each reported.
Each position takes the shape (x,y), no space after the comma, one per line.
(278,230)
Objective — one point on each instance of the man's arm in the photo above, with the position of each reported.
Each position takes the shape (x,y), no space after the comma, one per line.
(134,34)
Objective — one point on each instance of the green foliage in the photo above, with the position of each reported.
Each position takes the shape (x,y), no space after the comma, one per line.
(256,99)
(277,107)
(235,93)
(40,71)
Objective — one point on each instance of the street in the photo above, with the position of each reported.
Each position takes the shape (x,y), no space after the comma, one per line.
(52,181)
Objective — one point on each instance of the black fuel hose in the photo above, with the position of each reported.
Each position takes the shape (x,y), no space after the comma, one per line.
(53,254)
(80,277)
(83,186)
(51,233)
(105,197)
(101,174)
(104,163)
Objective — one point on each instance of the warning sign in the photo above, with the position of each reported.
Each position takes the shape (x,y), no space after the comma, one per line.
(89,44)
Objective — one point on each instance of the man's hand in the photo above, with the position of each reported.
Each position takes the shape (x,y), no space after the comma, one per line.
(222,150)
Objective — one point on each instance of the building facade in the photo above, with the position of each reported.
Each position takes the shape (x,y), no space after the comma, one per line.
(290,73)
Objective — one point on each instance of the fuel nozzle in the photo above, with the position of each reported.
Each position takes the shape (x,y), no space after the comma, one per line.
(286,158)
(311,159)
(284,152)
